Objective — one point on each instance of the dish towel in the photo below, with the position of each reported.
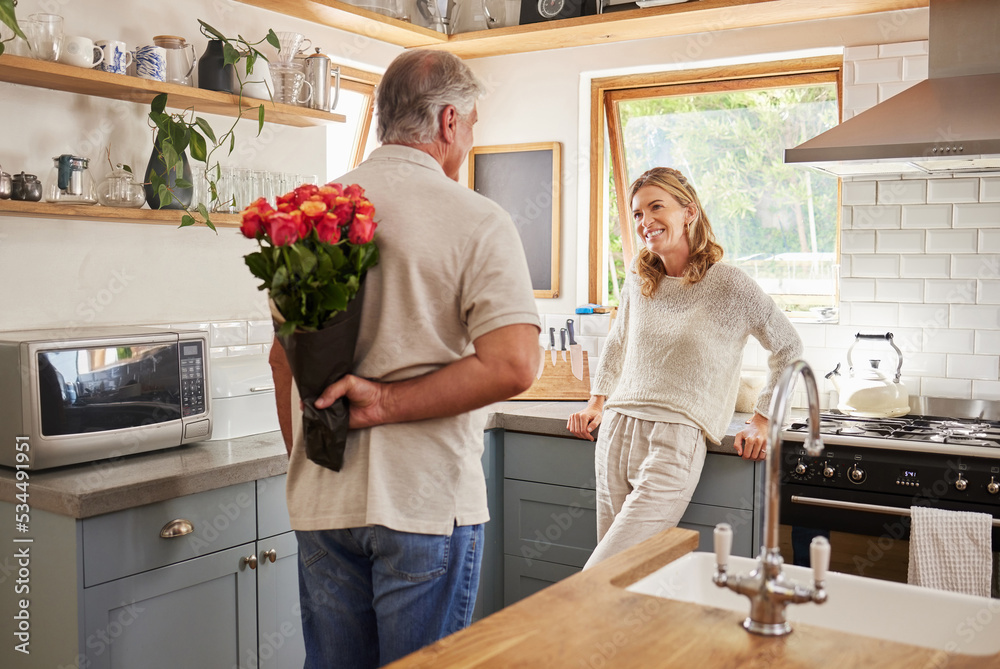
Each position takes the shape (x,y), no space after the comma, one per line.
(950,550)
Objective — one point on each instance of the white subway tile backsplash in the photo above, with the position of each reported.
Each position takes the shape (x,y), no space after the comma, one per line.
(203,327)
(864,265)
(878,70)
(891,89)
(858,98)
(924,315)
(989,292)
(986,390)
(982,266)
(987,342)
(925,364)
(839,337)
(953,190)
(218,352)
(915,68)
(950,291)
(915,48)
(875,217)
(985,215)
(251,349)
(955,388)
(846,218)
(595,324)
(952,241)
(930,266)
(866,52)
(982,367)
(989,241)
(927,215)
(858,192)
(899,290)
(902,192)
(874,314)
(260,332)
(989,189)
(899,241)
(229,333)
(857,290)
(939,340)
(592,346)
(857,241)
(811,334)
(977,316)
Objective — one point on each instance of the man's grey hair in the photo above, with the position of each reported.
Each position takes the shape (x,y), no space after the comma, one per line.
(416,87)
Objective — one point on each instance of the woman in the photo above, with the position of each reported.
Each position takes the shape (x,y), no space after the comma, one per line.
(671,366)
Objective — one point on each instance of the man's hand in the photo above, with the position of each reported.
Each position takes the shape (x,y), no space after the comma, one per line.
(751,442)
(366,399)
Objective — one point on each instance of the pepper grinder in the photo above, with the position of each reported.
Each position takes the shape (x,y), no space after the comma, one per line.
(318,70)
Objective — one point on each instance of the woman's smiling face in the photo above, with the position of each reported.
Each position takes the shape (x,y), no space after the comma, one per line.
(660,221)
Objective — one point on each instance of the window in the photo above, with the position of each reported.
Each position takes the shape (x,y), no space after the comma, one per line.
(727,134)
(348,143)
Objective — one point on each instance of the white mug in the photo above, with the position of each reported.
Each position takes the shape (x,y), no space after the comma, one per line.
(150,62)
(80,51)
(116,57)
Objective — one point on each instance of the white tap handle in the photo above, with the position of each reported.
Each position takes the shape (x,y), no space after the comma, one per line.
(723,536)
(819,556)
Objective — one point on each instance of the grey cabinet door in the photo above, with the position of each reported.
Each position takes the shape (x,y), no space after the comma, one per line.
(703,518)
(272,509)
(549,522)
(279,623)
(558,460)
(523,578)
(199,613)
(727,481)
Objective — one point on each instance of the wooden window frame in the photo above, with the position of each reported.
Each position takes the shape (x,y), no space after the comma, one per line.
(606,93)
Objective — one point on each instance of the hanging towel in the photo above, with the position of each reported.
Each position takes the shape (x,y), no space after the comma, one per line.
(950,550)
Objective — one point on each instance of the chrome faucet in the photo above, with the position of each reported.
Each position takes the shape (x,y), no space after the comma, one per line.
(766,586)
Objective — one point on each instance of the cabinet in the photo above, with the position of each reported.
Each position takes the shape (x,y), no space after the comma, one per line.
(110,591)
(700,16)
(549,510)
(59,77)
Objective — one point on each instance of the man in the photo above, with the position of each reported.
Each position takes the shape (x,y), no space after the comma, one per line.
(390,546)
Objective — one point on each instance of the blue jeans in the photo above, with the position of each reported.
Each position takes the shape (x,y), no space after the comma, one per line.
(371,595)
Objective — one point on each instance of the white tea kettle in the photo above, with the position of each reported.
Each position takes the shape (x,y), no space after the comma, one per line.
(870,393)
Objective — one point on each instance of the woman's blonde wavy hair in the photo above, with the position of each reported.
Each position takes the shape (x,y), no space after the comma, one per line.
(705,251)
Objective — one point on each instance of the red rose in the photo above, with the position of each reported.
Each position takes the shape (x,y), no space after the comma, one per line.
(283,228)
(304,192)
(313,209)
(328,229)
(253,218)
(364,208)
(342,209)
(355,192)
(330,193)
(362,229)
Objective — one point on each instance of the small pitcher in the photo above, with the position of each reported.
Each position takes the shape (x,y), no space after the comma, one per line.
(180,63)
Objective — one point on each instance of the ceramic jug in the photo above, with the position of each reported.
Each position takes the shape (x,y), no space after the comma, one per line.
(180,62)
(213,73)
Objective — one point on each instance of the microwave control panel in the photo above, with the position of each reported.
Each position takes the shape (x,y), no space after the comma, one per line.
(192,378)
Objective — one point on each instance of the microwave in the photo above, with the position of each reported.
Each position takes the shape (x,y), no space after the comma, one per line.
(68,397)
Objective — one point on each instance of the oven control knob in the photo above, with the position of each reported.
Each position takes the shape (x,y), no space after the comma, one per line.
(801,468)
(857,474)
(960,483)
(993,487)
(828,471)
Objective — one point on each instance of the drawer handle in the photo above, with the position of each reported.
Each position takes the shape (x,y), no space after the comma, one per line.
(177,528)
(261,389)
(248,562)
(270,555)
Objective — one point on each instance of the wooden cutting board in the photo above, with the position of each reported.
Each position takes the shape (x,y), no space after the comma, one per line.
(557,382)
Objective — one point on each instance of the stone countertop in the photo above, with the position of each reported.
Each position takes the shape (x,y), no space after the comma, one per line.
(95,488)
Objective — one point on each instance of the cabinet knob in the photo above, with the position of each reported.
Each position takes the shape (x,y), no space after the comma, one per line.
(248,562)
(176,528)
(270,555)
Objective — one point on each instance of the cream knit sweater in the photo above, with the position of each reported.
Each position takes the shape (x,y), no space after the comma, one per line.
(682,349)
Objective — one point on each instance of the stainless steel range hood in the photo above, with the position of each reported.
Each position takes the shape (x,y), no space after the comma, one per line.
(945,124)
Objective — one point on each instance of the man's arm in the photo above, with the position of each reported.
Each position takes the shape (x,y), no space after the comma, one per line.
(282,374)
(504,364)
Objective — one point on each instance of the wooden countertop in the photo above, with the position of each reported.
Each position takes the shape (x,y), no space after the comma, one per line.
(590,621)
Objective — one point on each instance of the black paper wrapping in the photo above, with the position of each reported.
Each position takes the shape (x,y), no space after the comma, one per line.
(318,359)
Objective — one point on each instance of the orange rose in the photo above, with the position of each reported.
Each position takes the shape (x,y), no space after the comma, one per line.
(355,192)
(304,192)
(253,218)
(313,209)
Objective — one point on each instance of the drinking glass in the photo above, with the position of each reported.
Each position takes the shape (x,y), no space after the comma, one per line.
(225,188)
(243,187)
(264,186)
(45,33)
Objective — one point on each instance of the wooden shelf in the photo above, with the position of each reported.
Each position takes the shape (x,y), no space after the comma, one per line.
(59,77)
(698,16)
(96,212)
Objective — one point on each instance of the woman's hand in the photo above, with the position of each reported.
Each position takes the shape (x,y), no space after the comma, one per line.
(751,441)
(582,423)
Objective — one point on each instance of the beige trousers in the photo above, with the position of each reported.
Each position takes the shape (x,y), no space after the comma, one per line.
(646,474)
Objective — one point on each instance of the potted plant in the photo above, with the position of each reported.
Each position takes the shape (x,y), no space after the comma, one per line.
(168,176)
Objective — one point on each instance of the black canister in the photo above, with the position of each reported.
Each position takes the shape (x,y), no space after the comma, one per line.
(213,72)
(26,187)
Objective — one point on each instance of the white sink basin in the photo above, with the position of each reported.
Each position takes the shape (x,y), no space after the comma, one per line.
(864,606)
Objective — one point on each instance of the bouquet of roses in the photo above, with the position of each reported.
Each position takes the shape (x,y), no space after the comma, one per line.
(315,248)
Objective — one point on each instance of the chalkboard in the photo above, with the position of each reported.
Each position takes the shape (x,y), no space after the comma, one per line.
(524,180)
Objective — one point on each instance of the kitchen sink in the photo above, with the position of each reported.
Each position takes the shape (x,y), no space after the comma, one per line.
(909,614)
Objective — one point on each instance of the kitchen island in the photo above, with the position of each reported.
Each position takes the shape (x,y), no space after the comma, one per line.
(590,620)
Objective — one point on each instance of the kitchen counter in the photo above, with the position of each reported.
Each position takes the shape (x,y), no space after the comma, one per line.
(590,620)
(95,488)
